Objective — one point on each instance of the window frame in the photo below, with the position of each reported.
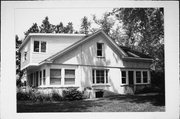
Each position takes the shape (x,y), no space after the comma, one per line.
(34,46)
(40,46)
(102,50)
(94,76)
(70,78)
(142,82)
(127,81)
(138,77)
(56,77)
(135,78)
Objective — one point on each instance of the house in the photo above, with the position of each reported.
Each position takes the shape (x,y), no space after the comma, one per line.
(96,62)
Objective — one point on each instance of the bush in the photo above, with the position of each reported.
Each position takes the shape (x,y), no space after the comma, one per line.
(23,96)
(72,94)
(157,81)
(56,96)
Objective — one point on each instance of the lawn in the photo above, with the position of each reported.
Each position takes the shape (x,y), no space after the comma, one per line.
(118,103)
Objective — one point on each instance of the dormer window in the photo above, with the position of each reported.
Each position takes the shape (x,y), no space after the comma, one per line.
(39,46)
(100,49)
(36,46)
(43,46)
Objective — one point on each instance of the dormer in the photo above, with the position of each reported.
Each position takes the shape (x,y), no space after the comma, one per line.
(38,46)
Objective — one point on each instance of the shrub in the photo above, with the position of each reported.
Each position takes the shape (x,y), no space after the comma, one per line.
(56,96)
(157,81)
(23,96)
(72,94)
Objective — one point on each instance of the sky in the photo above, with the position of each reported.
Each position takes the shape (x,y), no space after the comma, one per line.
(24,18)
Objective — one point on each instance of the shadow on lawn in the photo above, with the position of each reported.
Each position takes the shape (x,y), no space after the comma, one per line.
(156,100)
(64,106)
(89,105)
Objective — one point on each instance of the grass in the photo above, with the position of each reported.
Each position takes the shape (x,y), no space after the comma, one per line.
(119,103)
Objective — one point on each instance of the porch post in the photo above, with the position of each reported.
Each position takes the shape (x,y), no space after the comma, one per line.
(47,75)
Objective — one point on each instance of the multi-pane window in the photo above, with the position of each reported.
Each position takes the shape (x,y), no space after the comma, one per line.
(44,77)
(43,46)
(36,46)
(138,76)
(100,76)
(55,76)
(123,77)
(100,49)
(39,46)
(69,77)
(145,77)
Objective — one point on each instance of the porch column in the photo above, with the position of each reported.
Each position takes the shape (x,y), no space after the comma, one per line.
(47,75)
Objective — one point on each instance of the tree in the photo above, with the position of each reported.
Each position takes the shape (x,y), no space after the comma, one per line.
(46,27)
(33,29)
(105,23)
(85,25)
(59,28)
(19,73)
(145,30)
(68,28)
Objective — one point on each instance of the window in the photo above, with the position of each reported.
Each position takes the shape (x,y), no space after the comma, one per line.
(123,75)
(100,49)
(43,46)
(69,76)
(55,76)
(36,46)
(44,77)
(25,56)
(138,76)
(145,77)
(100,76)
(39,46)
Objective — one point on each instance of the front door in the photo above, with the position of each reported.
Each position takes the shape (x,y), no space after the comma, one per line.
(131,77)
(131,81)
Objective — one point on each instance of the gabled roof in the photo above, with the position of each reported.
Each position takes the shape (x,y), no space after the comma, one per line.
(125,52)
(76,44)
(133,53)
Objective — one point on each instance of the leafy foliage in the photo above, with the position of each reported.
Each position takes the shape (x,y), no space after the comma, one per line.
(33,29)
(68,28)
(37,96)
(72,94)
(105,23)
(59,28)
(85,25)
(19,73)
(145,30)
(46,27)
